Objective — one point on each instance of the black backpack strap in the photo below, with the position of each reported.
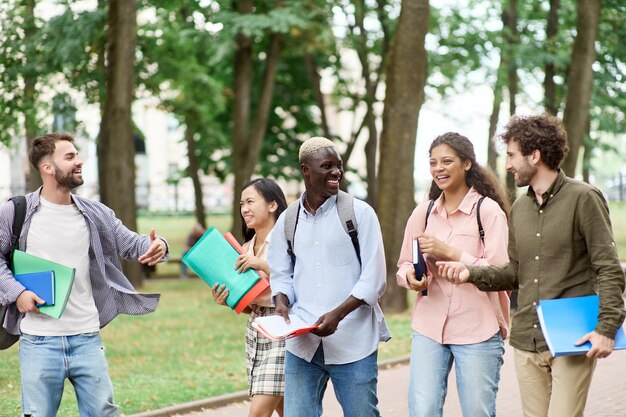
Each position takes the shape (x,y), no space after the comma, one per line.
(291,223)
(345,209)
(431,203)
(481,231)
(19,202)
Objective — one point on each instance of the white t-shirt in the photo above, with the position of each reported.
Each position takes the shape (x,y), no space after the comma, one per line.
(59,233)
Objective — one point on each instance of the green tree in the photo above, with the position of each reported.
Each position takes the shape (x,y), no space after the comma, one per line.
(580,80)
(116,146)
(20,70)
(406,78)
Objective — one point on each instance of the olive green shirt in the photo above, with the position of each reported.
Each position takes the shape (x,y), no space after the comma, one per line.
(559,249)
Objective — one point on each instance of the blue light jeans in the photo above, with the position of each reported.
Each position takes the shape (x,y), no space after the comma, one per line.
(354,384)
(477,368)
(45,363)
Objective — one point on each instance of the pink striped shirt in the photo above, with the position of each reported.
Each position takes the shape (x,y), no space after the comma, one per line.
(462,314)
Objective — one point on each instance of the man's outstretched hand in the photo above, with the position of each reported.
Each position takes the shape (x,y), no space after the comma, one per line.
(155,252)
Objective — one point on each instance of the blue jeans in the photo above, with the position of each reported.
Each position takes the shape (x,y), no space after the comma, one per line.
(45,363)
(477,369)
(354,384)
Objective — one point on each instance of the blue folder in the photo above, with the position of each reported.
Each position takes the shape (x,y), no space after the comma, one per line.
(41,283)
(565,320)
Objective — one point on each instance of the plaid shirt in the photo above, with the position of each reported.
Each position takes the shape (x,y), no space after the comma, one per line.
(109,240)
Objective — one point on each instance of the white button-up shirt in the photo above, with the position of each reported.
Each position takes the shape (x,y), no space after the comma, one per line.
(326,273)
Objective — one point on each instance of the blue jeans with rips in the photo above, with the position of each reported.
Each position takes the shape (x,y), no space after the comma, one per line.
(354,384)
(45,363)
(477,368)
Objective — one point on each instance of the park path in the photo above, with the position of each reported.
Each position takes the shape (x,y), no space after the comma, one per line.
(607,397)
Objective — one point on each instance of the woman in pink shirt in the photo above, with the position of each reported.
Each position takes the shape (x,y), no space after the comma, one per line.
(452,323)
(262,201)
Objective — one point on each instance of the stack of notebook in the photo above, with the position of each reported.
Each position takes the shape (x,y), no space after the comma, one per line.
(51,281)
(213,259)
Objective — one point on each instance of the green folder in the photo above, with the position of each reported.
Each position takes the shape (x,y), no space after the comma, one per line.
(213,259)
(24,263)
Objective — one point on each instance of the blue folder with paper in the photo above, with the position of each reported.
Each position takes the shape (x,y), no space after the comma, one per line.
(418,263)
(565,320)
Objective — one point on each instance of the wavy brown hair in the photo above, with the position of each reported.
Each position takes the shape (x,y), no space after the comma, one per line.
(543,132)
(481,178)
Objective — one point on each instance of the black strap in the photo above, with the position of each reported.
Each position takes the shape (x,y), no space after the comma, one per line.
(290,242)
(481,231)
(428,210)
(354,235)
(19,202)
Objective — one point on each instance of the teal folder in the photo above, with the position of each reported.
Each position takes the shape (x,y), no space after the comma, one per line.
(565,320)
(41,283)
(213,259)
(24,263)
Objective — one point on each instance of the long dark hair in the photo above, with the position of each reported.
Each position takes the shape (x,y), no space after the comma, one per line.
(481,178)
(270,191)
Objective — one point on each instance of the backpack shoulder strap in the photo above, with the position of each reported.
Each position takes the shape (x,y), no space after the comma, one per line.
(18,221)
(481,231)
(431,203)
(345,208)
(291,223)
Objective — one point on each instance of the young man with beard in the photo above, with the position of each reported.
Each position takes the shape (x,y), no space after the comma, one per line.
(328,286)
(84,234)
(560,245)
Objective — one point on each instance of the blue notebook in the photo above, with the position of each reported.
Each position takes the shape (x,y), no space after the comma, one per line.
(41,283)
(565,320)
(418,263)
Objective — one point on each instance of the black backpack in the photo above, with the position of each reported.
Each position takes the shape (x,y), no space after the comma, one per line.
(7,339)
(345,209)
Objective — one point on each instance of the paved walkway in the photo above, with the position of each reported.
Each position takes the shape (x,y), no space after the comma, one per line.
(607,397)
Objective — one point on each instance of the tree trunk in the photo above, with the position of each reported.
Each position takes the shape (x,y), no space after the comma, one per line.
(492,153)
(193,171)
(587,149)
(246,143)
(33,179)
(116,151)
(580,80)
(371,146)
(406,77)
(510,21)
(371,152)
(551,32)
(241,113)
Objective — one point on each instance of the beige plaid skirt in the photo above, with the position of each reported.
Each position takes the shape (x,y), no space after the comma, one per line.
(265,359)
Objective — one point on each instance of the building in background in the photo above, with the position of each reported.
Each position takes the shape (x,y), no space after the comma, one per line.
(161,155)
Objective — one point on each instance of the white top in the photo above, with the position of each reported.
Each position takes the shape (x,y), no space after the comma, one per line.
(326,273)
(59,233)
